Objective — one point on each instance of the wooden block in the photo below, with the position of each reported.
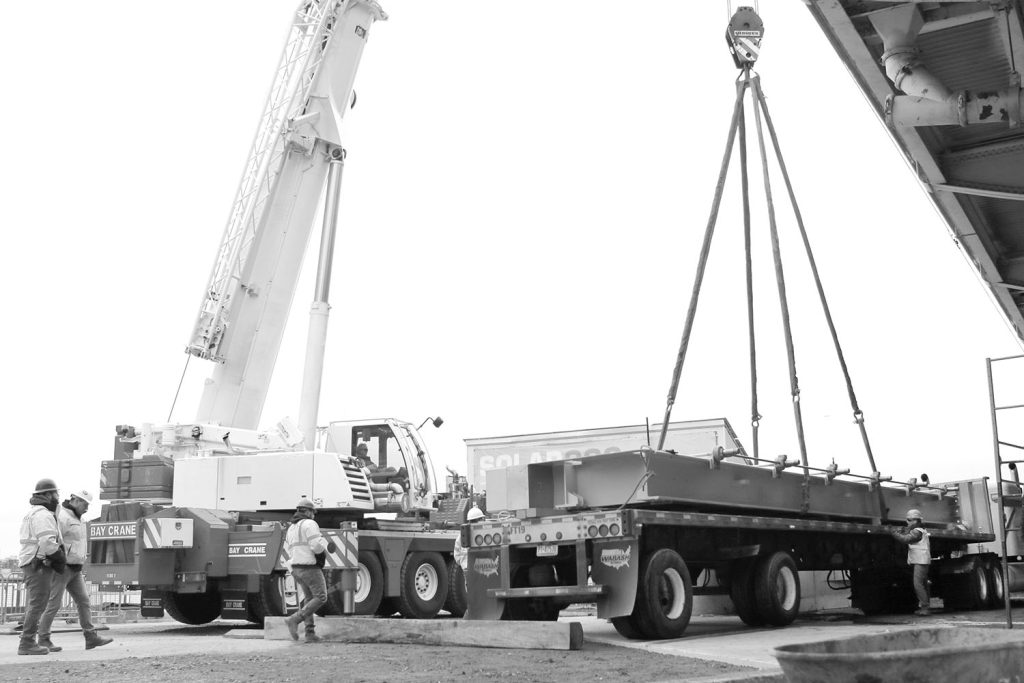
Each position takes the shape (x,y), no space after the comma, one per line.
(529,635)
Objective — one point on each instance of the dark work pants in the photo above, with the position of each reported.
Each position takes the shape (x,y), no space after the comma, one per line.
(314,590)
(37,584)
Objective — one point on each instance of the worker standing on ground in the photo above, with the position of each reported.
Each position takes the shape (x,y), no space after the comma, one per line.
(304,543)
(41,556)
(72,530)
(919,556)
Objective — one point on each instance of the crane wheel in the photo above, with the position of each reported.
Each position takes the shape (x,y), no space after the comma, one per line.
(192,608)
(369,586)
(424,581)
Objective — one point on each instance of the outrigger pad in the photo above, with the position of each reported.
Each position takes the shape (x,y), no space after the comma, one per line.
(529,635)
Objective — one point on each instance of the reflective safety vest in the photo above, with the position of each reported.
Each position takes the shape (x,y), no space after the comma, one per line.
(72,530)
(302,540)
(39,535)
(921,551)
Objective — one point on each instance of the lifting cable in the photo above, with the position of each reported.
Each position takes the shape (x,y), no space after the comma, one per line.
(738,125)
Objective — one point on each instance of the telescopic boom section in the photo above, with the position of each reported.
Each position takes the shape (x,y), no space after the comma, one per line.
(245,306)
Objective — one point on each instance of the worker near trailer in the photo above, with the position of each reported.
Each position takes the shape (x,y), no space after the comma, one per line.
(919,556)
(460,553)
(72,530)
(308,550)
(40,558)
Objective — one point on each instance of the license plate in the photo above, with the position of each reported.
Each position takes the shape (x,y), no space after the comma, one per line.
(548,550)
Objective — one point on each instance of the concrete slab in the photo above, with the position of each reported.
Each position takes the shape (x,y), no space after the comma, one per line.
(531,635)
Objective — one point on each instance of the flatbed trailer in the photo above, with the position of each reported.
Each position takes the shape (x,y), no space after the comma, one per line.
(730,527)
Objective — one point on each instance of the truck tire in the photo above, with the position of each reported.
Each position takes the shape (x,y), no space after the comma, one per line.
(532,609)
(193,608)
(741,590)
(277,597)
(369,586)
(457,601)
(664,595)
(388,606)
(994,573)
(777,588)
(627,628)
(424,580)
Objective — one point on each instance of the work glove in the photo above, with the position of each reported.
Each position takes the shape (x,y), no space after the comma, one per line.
(58,560)
(321,559)
(332,547)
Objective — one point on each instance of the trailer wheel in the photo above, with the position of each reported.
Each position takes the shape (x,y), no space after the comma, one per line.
(994,573)
(457,601)
(741,590)
(664,595)
(193,608)
(424,585)
(627,627)
(369,586)
(777,588)
(532,609)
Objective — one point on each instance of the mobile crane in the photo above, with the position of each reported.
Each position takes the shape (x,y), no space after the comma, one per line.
(641,532)
(195,510)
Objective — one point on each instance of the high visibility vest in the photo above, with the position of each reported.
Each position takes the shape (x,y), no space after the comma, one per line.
(302,541)
(920,552)
(39,535)
(72,530)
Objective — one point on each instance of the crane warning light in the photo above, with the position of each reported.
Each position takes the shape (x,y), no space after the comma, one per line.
(743,36)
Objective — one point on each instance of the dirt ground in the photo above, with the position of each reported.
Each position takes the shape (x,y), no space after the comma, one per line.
(378,662)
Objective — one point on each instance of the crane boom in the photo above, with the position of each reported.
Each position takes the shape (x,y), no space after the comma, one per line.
(245,306)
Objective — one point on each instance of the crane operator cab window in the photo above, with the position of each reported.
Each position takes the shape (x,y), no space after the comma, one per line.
(379,452)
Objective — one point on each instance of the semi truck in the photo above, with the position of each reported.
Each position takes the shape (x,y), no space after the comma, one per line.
(195,511)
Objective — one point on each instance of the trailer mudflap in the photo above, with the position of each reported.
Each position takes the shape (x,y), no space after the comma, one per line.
(487,570)
(152,603)
(615,566)
(233,605)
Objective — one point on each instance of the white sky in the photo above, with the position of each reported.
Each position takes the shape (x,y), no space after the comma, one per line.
(526,191)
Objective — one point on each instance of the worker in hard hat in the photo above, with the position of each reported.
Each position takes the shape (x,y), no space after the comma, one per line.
(76,541)
(363,458)
(40,558)
(919,556)
(460,553)
(307,548)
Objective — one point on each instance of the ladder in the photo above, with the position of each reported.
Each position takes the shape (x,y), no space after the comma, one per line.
(1008,491)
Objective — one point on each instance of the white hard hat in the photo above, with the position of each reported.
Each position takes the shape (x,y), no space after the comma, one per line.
(914,514)
(83,494)
(474,514)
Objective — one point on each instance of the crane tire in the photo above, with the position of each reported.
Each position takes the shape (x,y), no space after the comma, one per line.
(192,608)
(369,586)
(424,582)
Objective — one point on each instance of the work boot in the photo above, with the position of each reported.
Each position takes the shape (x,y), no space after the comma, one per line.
(28,646)
(313,638)
(292,623)
(93,639)
(44,641)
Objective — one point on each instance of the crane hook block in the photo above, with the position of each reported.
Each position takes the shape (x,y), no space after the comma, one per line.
(743,36)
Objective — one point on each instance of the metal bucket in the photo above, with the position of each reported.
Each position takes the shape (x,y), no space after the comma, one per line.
(933,655)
